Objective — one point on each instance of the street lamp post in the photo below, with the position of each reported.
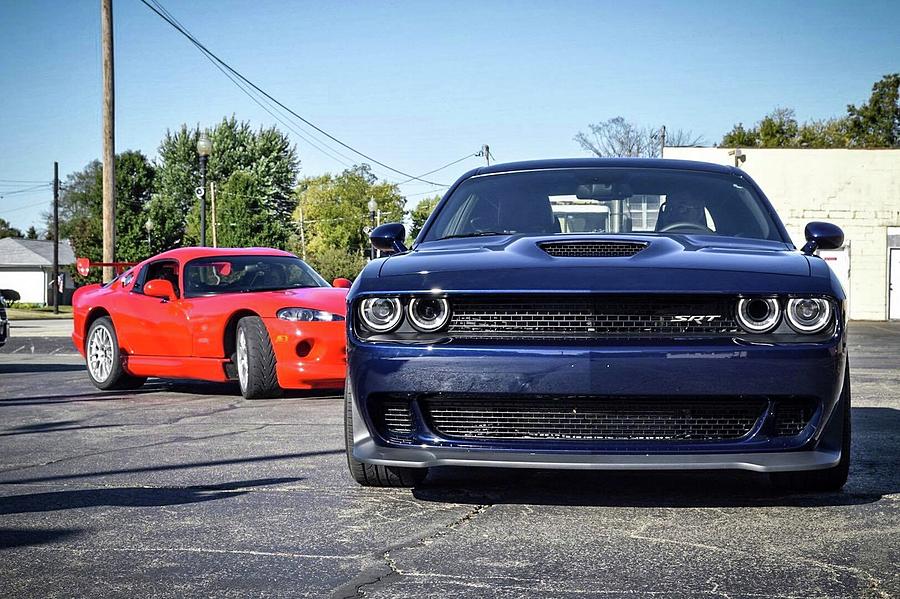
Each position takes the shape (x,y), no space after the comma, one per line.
(373,208)
(204,148)
(149,227)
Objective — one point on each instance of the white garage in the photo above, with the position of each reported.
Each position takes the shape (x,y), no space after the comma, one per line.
(26,265)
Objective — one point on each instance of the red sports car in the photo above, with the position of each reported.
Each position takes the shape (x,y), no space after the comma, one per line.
(258,315)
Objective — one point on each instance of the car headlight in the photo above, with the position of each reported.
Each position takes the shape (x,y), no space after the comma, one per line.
(758,314)
(428,314)
(307,315)
(808,314)
(381,314)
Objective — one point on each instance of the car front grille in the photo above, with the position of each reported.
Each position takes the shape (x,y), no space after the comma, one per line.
(591,317)
(395,420)
(595,418)
(792,416)
(592,249)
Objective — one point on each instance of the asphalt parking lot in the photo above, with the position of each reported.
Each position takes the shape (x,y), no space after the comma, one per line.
(185,489)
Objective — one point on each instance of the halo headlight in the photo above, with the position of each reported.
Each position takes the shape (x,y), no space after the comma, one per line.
(428,314)
(381,314)
(758,314)
(808,314)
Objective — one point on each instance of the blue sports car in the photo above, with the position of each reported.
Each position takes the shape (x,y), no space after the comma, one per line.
(621,314)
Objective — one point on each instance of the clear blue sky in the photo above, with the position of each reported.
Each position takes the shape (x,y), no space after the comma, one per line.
(419,84)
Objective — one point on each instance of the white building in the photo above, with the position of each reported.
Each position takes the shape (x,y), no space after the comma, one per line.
(26,265)
(858,190)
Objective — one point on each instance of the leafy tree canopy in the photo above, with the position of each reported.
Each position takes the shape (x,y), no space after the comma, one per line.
(81,209)
(269,166)
(31,233)
(420,214)
(875,124)
(334,209)
(7,230)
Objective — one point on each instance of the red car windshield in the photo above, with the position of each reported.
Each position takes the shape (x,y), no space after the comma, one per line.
(244,274)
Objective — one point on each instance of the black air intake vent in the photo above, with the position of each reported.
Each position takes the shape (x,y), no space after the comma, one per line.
(595,418)
(592,249)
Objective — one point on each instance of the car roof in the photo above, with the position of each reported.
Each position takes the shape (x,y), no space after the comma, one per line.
(191,253)
(557,163)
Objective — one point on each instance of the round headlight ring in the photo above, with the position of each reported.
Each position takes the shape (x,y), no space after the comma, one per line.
(809,315)
(758,314)
(381,314)
(428,314)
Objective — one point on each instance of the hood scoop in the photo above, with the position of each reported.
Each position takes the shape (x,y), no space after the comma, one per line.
(592,248)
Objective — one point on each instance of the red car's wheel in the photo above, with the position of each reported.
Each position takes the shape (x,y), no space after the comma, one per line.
(104,360)
(255,360)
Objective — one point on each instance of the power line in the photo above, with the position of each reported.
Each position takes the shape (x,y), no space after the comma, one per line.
(467,156)
(23,181)
(3,194)
(246,90)
(162,13)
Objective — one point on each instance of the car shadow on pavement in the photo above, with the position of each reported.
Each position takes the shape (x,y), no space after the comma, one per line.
(873,474)
(27,537)
(31,367)
(130,496)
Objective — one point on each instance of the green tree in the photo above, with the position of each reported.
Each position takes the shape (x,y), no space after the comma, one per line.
(242,217)
(420,214)
(31,233)
(81,209)
(876,124)
(334,209)
(739,137)
(265,155)
(7,230)
(332,263)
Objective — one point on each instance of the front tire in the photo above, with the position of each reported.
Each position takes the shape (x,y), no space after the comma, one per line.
(104,358)
(373,475)
(255,360)
(830,479)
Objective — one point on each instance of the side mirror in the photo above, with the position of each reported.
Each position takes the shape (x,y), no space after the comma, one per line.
(822,236)
(160,288)
(389,237)
(341,283)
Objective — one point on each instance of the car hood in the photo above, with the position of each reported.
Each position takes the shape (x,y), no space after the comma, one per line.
(670,263)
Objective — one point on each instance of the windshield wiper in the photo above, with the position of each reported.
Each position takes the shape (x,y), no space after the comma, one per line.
(476,234)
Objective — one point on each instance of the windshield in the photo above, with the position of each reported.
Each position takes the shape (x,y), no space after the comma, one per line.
(242,274)
(604,200)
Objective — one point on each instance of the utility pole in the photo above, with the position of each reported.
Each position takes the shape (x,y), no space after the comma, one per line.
(486,150)
(55,285)
(109,142)
(662,141)
(212,202)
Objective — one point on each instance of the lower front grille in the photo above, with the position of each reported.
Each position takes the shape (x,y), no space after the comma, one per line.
(792,416)
(595,418)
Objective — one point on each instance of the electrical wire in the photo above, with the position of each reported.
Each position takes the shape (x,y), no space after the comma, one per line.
(449,164)
(163,14)
(41,187)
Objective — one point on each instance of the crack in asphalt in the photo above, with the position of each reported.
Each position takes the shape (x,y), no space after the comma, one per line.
(386,567)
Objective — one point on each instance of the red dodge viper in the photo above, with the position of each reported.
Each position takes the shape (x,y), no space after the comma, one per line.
(258,315)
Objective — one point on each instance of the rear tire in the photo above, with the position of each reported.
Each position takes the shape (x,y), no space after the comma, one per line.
(103,358)
(830,479)
(373,475)
(255,360)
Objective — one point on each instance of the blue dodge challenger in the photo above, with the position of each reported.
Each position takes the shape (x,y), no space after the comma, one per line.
(621,314)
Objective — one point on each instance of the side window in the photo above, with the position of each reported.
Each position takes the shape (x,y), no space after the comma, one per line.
(164,269)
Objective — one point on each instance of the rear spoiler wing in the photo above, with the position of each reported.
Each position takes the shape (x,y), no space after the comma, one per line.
(84,266)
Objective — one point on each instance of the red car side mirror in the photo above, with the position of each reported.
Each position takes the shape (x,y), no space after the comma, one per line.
(342,283)
(160,288)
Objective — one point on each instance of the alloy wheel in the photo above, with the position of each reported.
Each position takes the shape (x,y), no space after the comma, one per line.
(100,354)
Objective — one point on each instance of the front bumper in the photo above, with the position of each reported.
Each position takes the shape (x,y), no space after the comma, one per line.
(726,368)
(309,355)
